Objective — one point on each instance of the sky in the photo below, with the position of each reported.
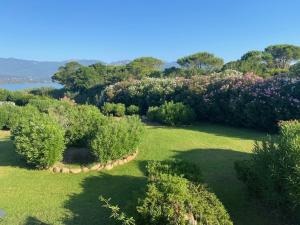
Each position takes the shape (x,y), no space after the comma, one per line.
(112,30)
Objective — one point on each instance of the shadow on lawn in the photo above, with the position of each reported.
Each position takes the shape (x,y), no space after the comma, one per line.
(218,130)
(8,156)
(34,221)
(86,206)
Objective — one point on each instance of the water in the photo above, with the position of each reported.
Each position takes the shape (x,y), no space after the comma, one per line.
(21,86)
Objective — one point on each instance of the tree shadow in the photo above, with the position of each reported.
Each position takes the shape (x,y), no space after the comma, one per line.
(86,207)
(8,155)
(34,221)
(217,166)
(218,130)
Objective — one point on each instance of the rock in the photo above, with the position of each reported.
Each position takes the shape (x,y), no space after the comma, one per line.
(56,169)
(65,170)
(95,167)
(108,166)
(85,169)
(75,170)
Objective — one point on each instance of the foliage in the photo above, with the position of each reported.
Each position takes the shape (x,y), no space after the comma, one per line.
(121,217)
(78,121)
(241,100)
(144,66)
(202,60)
(132,110)
(6,111)
(294,70)
(172,113)
(39,140)
(272,173)
(113,109)
(117,139)
(173,199)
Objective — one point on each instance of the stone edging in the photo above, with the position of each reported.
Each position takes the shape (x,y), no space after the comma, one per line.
(95,167)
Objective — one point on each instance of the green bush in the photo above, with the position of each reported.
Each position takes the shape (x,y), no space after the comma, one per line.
(132,110)
(4,95)
(114,109)
(171,113)
(79,121)
(272,173)
(43,104)
(19,97)
(5,112)
(172,199)
(39,140)
(116,139)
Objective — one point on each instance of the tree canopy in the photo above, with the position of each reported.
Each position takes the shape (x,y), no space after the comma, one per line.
(201,60)
(144,66)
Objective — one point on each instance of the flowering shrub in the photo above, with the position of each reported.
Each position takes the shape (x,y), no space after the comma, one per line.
(242,100)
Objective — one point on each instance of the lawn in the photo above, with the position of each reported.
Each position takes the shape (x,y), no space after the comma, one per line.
(40,197)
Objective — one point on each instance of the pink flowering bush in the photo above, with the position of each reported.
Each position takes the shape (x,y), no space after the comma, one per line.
(241,100)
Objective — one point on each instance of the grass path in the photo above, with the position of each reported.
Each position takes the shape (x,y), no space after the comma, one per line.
(39,197)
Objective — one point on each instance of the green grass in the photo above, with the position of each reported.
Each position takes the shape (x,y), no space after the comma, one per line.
(39,197)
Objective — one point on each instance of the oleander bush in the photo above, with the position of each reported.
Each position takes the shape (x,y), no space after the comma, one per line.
(132,110)
(272,174)
(171,113)
(113,109)
(117,139)
(240,100)
(39,140)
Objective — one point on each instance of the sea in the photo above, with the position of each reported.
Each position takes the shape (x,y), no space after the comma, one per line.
(22,86)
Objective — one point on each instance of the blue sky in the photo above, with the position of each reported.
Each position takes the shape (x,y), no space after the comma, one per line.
(112,30)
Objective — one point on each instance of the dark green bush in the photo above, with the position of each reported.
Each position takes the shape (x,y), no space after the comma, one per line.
(39,140)
(132,110)
(171,199)
(272,173)
(113,109)
(116,139)
(19,97)
(171,113)
(79,121)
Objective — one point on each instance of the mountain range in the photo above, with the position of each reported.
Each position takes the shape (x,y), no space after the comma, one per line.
(21,70)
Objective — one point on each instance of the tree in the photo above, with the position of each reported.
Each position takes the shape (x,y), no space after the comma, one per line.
(203,60)
(65,72)
(283,55)
(144,66)
(295,70)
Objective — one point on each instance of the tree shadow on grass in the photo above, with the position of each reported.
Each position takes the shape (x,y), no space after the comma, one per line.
(219,130)
(8,155)
(217,166)
(34,221)
(86,207)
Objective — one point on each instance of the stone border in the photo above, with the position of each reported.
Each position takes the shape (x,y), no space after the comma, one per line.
(95,167)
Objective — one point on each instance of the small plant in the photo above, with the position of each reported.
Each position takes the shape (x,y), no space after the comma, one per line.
(132,110)
(114,109)
(116,214)
(39,140)
(171,113)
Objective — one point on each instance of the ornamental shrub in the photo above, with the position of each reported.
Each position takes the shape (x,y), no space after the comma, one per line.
(78,121)
(113,109)
(172,199)
(132,110)
(39,140)
(117,139)
(272,174)
(171,113)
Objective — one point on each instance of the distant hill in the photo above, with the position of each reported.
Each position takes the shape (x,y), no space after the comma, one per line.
(21,70)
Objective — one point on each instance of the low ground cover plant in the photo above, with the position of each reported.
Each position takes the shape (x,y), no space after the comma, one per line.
(171,113)
(272,174)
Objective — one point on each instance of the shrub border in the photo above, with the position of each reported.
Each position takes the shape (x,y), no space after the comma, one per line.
(95,167)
